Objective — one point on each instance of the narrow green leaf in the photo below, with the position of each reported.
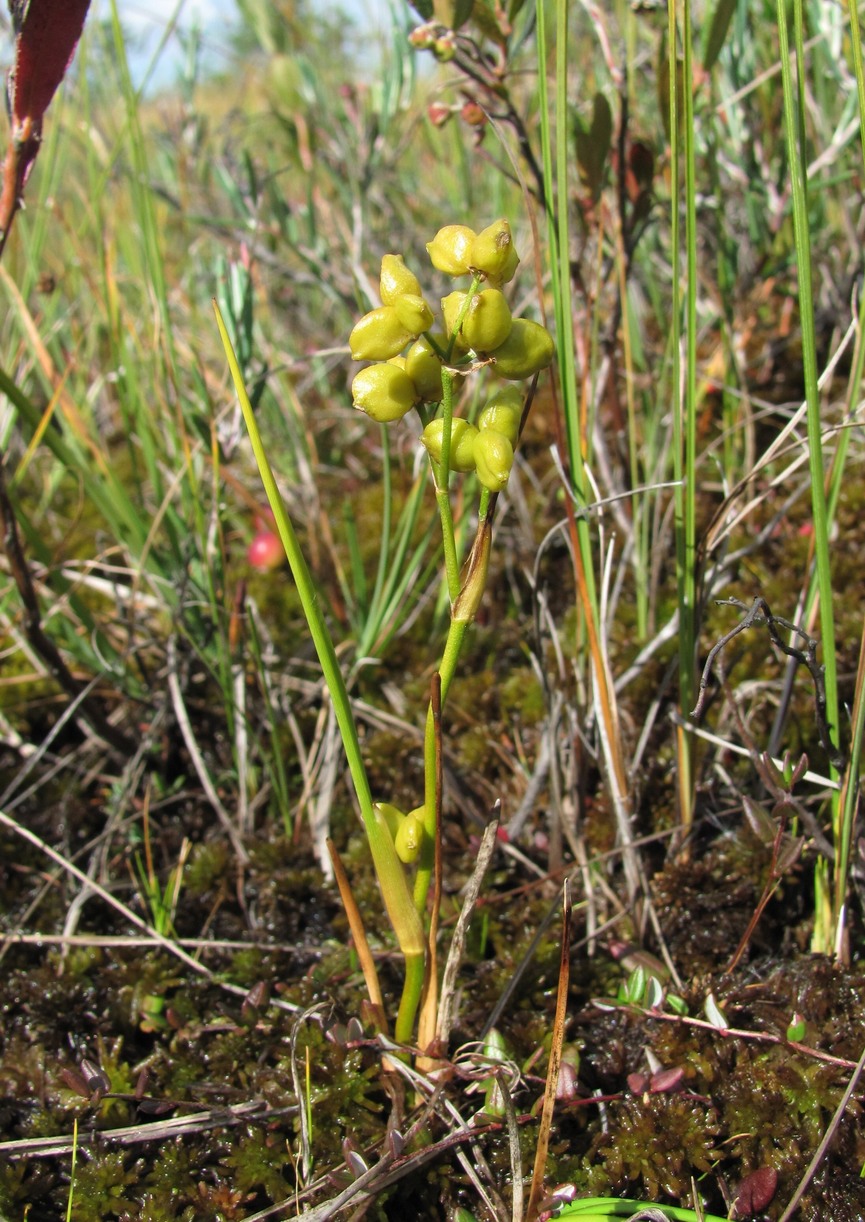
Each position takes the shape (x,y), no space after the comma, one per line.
(715,33)
(593,145)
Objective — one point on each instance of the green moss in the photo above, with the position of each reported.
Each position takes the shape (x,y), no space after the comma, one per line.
(259,1161)
(101,1187)
(654,1143)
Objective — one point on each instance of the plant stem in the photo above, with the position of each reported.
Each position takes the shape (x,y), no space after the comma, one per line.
(441,478)
(447,669)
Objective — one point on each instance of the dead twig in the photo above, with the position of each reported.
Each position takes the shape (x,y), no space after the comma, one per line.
(759,613)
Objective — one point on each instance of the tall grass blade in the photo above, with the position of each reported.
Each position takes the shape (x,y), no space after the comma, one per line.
(795,134)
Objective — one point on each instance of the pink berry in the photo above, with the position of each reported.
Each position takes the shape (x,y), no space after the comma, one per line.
(265,551)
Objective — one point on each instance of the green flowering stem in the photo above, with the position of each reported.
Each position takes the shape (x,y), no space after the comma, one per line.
(401,909)
(415,969)
(441,478)
(465,608)
(460,318)
(426,861)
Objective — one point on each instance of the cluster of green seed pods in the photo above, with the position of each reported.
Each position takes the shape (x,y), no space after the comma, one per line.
(486,447)
(477,326)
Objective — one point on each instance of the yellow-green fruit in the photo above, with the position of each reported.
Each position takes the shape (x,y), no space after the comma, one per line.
(488,322)
(463,434)
(493,253)
(502,418)
(378,336)
(414,313)
(494,457)
(392,816)
(451,308)
(449,249)
(409,838)
(396,280)
(424,368)
(385,392)
(507,396)
(528,349)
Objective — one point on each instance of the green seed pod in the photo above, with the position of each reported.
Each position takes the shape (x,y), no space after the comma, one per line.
(392,816)
(378,336)
(463,437)
(449,249)
(396,280)
(493,253)
(502,418)
(409,838)
(424,368)
(385,392)
(451,307)
(414,313)
(507,396)
(528,348)
(494,457)
(488,322)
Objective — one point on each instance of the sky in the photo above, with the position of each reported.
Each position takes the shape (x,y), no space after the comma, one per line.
(146,20)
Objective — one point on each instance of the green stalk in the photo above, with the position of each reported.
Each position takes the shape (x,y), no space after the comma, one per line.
(794,124)
(616,1207)
(848,804)
(795,140)
(447,669)
(389,869)
(856,44)
(441,479)
(684,414)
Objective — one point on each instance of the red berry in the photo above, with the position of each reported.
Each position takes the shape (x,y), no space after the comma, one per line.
(265,551)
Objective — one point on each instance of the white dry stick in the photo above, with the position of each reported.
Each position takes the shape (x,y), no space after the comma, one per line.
(241,747)
(446,1013)
(97,889)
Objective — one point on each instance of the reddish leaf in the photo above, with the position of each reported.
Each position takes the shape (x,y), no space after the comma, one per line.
(665,1081)
(566,1087)
(155,1107)
(96,1078)
(74,1081)
(755,1192)
(46,34)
